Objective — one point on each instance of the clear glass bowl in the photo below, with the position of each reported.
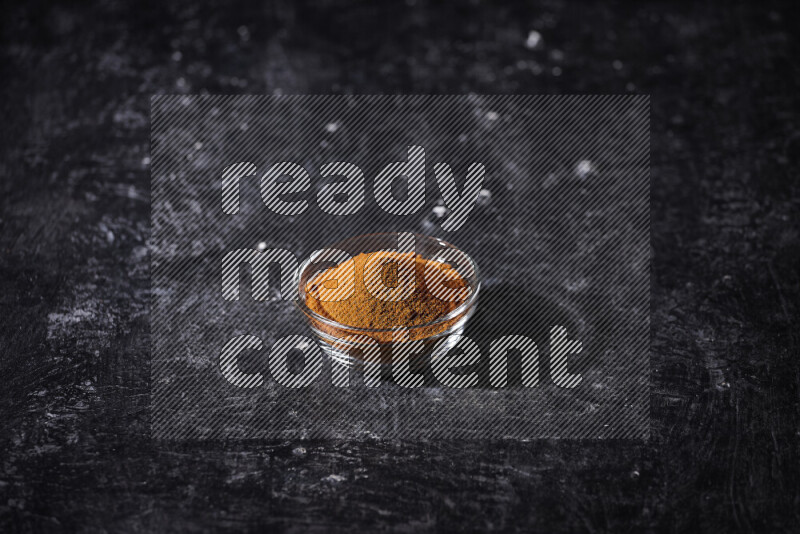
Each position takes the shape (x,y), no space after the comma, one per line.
(348,344)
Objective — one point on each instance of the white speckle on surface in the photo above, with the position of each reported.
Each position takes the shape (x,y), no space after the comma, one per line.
(717,379)
(534,39)
(177,55)
(262,246)
(439,211)
(146,161)
(299,451)
(584,168)
(492,115)
(334,478)
(484,197)
(331,127)
(108,233)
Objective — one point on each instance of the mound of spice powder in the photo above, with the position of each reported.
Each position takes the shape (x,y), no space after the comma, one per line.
(363,310)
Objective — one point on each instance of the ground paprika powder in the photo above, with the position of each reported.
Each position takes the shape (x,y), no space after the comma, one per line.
(362,309)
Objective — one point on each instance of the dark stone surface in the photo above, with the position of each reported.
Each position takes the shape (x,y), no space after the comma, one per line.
(74,327)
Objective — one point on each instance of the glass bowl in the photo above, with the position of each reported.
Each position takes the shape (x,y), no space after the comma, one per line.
(349,344)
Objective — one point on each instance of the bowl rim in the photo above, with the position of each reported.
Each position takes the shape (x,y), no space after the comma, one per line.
(456,313)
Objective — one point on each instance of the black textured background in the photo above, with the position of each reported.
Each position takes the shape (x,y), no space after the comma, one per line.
(74,329)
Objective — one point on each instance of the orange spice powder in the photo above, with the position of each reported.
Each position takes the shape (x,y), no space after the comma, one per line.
(363,310)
